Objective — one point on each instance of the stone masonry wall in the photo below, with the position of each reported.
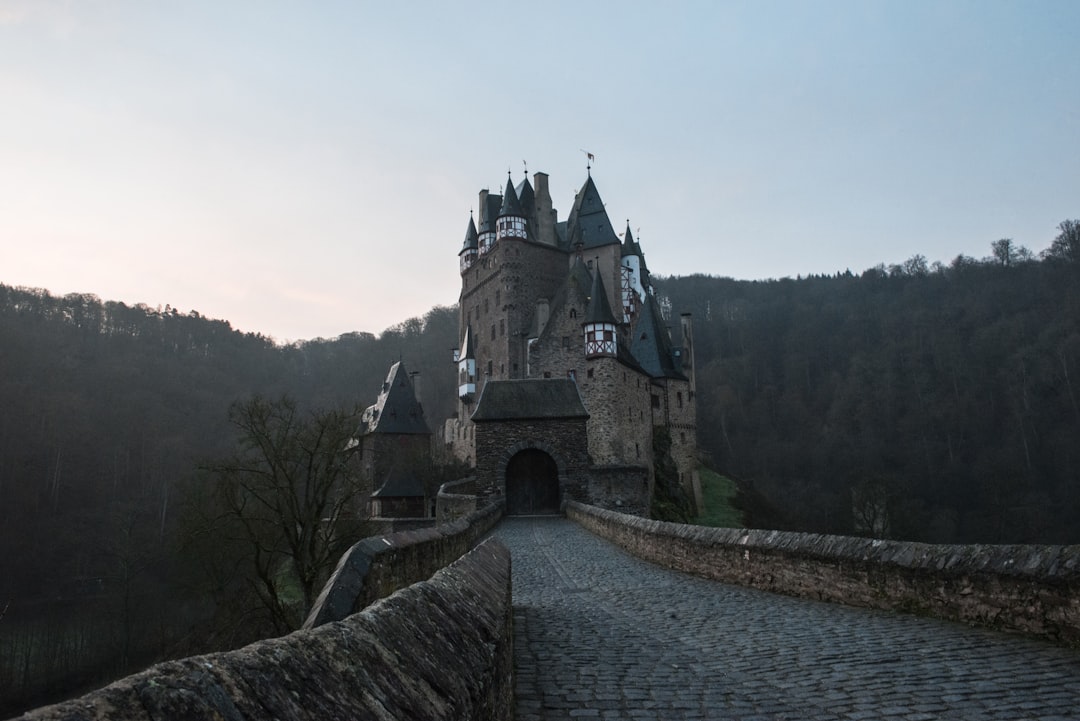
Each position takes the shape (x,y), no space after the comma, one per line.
(618,401)
(1031,589)
(440,649)
(379,565)
(565,440)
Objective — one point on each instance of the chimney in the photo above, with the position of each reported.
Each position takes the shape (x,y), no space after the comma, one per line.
(545,215)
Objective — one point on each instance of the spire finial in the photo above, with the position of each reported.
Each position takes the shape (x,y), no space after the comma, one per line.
(526,169)
(591,160)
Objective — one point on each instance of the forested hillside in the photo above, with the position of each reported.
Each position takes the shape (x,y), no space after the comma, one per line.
(106,410)
(934,403)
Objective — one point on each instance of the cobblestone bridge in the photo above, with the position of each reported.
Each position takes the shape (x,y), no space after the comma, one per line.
(600,634)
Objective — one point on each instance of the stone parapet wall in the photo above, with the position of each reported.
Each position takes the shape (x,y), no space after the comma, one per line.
(1030,589)
(456,499)
(440,649)
(379,565)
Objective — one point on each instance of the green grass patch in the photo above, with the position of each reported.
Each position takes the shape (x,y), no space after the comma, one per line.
(718,494)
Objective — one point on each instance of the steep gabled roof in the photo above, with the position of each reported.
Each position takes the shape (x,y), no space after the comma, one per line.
(651,343)
(471,238)
(530,399)
(599,308)
(588,222)
(396,410)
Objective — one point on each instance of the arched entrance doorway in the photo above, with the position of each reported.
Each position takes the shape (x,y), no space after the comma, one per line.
(532,483)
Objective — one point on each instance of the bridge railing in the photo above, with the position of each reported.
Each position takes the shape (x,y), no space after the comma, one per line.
(1026,588)
(439,649)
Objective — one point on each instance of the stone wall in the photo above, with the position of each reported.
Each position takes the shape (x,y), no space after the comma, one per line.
(456,499)
(620,488)
(618,400)
(1031,589)
(565,440)
(441,649)
(379,565)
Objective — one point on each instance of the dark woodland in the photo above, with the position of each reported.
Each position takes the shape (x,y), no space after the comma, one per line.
(924,402)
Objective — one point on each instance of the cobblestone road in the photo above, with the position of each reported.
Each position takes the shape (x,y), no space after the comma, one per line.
(600,634)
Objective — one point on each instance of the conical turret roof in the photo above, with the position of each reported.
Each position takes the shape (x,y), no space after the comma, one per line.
(471,238)
(510,204)
(629,247)
(599,309)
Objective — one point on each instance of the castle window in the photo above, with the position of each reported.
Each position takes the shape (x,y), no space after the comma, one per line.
(547,374)
(498,294)
(492,331)
(682,437)
(485,306)
(590,373)
(678,398)
(573,312)
(489,368)
(571,374)
(566,341)
(502,326)
(655,401)
(637,450)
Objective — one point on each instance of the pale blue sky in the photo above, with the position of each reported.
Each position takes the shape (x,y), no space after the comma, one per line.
(306,169)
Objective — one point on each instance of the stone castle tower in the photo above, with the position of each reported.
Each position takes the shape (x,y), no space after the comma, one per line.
(550,300)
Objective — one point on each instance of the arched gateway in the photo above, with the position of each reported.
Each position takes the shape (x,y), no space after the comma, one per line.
(532,483)
(531,444)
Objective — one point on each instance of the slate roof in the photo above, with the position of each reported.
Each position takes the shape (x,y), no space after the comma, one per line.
(396,410)
(526,197)
(400,484)
(510,204)
(472,241)
(530,399)
(599,309)
(632,247)
(651,343)
(576,286)
(588,222)
(489,213)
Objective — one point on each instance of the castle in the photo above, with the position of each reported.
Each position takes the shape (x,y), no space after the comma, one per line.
(566,369)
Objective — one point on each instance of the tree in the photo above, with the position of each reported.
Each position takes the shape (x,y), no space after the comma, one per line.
(280,498)
(1008,253)
(1066,246)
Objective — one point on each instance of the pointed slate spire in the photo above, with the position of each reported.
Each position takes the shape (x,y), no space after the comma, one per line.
(599,325)
(599,310)
(588,223)
(629,247)
(510,204)
(472,241)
